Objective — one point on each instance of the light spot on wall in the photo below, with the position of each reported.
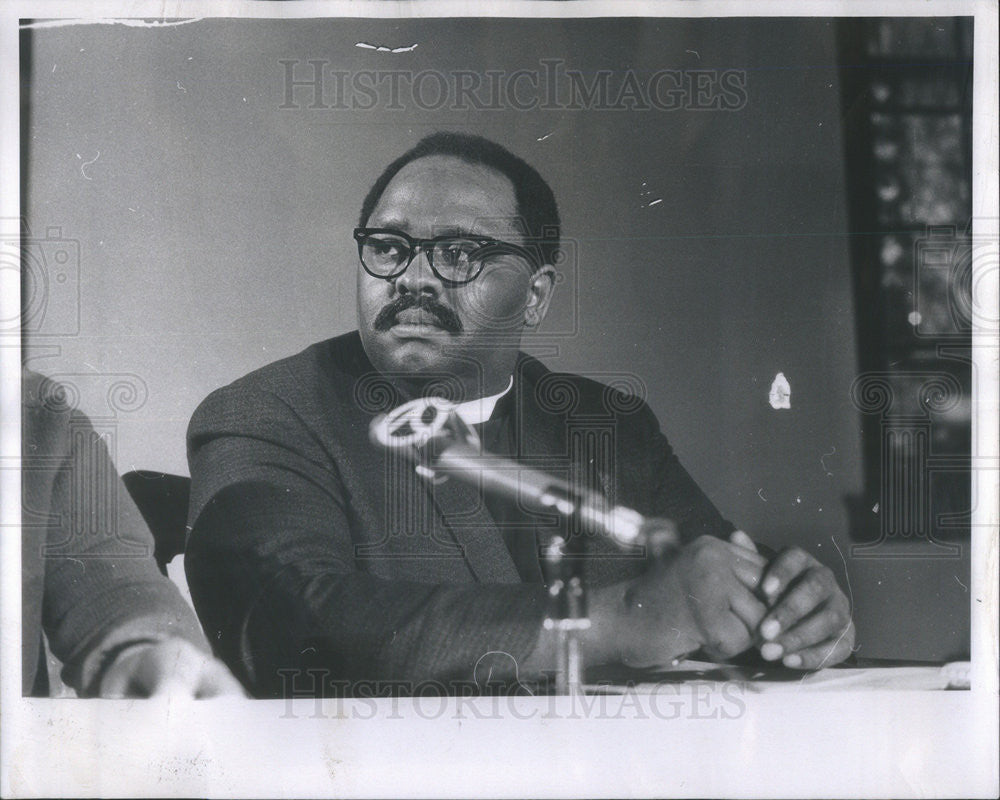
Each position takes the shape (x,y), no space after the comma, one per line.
(780,395)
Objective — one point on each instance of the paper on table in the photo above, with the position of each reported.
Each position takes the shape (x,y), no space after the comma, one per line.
(769,679)
(950,676)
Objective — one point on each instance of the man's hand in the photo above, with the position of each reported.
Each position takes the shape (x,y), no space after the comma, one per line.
(808,623)
(700,597)
(171,667)
(724,597)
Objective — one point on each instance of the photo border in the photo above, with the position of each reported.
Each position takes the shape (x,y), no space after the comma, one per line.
(844,743)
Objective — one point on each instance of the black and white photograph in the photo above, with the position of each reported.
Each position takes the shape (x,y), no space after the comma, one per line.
(541,399)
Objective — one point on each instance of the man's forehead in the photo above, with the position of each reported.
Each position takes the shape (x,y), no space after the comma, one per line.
(447,194)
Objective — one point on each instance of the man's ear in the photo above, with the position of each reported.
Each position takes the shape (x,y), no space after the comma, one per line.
(543,284)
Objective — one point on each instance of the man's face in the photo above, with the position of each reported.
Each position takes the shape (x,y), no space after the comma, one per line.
(470,331)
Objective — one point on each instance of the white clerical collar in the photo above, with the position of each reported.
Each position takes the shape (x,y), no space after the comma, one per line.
(473,412)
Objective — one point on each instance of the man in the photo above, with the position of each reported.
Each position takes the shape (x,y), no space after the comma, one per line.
(317,561)
(119,627)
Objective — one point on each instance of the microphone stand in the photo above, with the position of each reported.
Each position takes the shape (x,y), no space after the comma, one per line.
(441,445)
(562,564)
(567,612)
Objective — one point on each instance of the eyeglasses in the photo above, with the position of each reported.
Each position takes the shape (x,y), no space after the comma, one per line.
(455,260)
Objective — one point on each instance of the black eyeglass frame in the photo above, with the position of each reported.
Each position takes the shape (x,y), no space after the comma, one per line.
(427,246)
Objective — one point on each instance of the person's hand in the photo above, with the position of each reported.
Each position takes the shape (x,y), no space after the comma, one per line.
(171,667)
(701,596)
(808,623)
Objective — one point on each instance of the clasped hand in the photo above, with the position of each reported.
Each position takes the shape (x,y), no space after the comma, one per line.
(725,597)
(172,667)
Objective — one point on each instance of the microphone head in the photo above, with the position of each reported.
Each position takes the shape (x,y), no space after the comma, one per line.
(421,426)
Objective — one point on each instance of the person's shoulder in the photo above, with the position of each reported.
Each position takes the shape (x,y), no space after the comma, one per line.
(44,393)
(321,361)
(48,408)
(294,379)
(599,394)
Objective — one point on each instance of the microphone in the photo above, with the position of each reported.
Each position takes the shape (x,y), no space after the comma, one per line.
(430,433)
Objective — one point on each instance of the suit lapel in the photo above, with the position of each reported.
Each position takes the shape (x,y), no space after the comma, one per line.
(464,513)
(462,516)
(544,419)
(461,513)
(540,432)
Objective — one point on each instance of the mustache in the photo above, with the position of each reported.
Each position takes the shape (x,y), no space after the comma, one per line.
(446,318)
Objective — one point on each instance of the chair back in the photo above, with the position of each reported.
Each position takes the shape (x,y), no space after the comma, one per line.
(163,502)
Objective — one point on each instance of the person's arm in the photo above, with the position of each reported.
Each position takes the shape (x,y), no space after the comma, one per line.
(119,627)
(694,598)
(273,574)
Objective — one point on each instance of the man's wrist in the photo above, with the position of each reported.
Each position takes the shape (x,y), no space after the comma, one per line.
(628,630)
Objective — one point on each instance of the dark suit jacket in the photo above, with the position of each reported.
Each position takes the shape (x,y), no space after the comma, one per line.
(89,579)
(311,549)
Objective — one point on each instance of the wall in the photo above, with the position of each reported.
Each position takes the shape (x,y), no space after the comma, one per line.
(214,235)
